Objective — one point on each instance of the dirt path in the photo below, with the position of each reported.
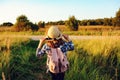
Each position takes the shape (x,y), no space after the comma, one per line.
(79,37)
(34,37)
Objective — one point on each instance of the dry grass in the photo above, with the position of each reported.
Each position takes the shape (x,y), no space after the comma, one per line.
(83,30)
(99,28)
(65,28)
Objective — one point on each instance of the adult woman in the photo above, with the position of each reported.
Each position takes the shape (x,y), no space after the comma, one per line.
(55,45)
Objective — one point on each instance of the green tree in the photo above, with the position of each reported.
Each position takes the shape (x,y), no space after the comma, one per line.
(34,27)
(72,23)
(23,24)
(7,24)
(117,18)
(99,21)
(41,24)
(113,22)
(83,23)
(107,22)
(31,27)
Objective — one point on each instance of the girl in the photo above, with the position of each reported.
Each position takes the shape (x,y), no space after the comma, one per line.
(55,44)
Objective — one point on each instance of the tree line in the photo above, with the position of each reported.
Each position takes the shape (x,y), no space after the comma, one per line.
(23,24)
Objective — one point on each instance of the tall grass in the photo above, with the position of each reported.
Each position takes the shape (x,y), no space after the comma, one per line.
(6,56)
(92,59)
(83,30)
(95,60)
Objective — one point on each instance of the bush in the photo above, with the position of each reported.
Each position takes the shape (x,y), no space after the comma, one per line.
(72,23)
(7,24)
(23,24)
(117,18)
(41,24)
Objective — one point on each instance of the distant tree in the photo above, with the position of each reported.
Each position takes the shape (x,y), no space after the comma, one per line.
(56,23)
(7,24)
(41,24)
(110,21)
(117,18)
(88,23)
(84,22)
(113,22)
(99,21)
(72,23)
(50,23)
(79,22)
(34,27)
(23,24)
(107,22)
(60,22)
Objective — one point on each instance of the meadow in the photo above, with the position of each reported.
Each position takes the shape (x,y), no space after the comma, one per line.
(83,30)
(92,59)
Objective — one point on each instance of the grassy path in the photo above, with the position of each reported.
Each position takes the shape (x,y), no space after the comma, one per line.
(79,37)
(34,37)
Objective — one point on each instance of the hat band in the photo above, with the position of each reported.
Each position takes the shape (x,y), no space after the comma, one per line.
(48,38)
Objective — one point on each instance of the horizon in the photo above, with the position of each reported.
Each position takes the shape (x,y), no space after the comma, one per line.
(45,10)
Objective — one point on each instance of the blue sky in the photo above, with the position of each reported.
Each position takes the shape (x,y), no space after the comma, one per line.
(54,10)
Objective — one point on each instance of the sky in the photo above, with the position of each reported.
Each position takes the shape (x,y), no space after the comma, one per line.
(55,10)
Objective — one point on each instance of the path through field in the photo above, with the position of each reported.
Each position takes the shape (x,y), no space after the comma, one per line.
(34,37)
(79,37)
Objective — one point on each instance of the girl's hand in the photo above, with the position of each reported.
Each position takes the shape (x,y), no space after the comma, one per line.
(66,38)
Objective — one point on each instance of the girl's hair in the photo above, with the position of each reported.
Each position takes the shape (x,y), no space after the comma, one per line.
(55,43)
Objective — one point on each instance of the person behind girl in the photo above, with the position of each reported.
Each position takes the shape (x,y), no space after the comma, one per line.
(57,42)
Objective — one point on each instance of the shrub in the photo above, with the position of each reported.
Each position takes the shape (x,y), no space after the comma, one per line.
(72,23)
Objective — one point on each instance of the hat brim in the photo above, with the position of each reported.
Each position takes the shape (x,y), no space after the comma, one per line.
(51,39)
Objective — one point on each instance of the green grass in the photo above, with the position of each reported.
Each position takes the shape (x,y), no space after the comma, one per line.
(97,59)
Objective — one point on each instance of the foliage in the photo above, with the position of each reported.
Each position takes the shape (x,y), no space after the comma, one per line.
(31,26)
(117,18)
(41,24)
(7,24)
(23,24)
(61,22)
(107,21)
(72,23)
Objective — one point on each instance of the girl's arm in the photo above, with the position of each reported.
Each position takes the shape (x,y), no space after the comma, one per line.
(40,52)
(68,45)
(41,48)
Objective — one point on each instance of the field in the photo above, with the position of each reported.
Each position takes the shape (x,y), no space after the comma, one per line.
(83,30)
(92,59)
(96,55)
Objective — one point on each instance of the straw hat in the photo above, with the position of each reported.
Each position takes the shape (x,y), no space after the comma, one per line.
(54,32)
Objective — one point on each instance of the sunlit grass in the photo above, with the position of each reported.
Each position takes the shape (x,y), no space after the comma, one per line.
(92,59)
(83,30)
(95,59)
(98,46)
